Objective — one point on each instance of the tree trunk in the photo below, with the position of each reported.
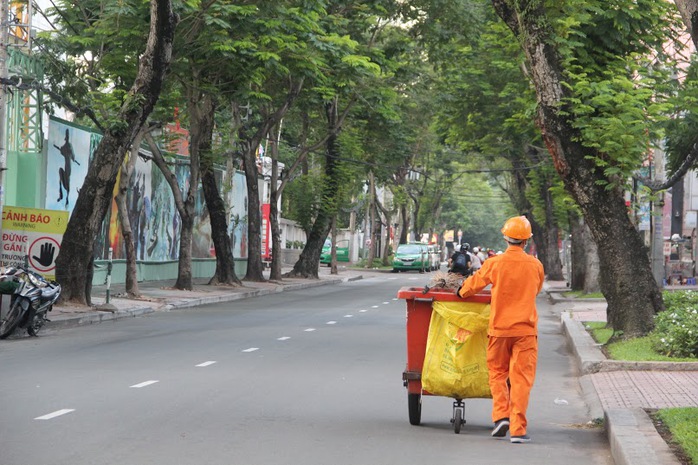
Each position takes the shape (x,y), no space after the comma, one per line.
(254,215)
(127,170)
(551,236)
(250,138)
(628,284)
(225,262)
(386,244)
(416,227)
(577,269)
(201,111)
(405,224)
(275,272)
(371,221)
(546,240)
(689,14)
(333,252)
(591,269)
(309,260)
(200,108)
(77,250)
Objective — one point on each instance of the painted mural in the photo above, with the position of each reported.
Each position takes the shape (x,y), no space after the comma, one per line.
(153,215)
(238,215)
(69,153)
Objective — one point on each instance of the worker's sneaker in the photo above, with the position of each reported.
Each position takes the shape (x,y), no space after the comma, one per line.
(501,427)
(520,439)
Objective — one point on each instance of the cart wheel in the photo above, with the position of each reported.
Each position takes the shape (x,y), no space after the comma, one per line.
(457,420)
(414,406)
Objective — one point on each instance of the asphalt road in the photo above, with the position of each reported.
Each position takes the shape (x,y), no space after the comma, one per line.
(308,377)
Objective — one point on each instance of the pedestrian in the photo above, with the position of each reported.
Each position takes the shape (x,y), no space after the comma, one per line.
(460,262)
(481,254)
(512,348)
(477,263)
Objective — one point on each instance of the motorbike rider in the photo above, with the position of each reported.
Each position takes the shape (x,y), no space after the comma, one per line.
(512,349)
(460,262)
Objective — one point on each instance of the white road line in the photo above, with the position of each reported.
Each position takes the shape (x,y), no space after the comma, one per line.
(386,303)
(283,338)
(205,364)
(374,306)
(144,383)
(348,316)
(309,330)
(55,414)
(394,298)
(251,349)
(363,311)
(332,322)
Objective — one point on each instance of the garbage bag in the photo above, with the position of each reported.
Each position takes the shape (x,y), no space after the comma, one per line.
(455,362)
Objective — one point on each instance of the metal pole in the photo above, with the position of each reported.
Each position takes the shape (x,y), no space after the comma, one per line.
(4,40)
(109,267)
(657,220)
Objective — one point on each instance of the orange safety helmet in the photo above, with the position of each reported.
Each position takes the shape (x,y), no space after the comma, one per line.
(517,229)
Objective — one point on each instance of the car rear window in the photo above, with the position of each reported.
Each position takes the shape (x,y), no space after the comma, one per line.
(409,249)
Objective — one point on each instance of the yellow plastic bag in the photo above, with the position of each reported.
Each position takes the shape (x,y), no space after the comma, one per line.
(455,362)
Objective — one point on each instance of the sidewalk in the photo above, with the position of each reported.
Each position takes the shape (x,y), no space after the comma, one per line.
(616,391)
(620,392)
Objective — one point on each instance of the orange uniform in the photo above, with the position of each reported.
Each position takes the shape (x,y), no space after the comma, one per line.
(512,350)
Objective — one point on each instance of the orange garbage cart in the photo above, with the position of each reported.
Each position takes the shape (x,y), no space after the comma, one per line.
(419,313)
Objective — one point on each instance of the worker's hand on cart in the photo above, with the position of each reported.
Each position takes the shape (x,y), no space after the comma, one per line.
(460,284)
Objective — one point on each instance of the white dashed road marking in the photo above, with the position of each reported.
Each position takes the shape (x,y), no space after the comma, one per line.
(144,383)
(61,412)
(55,414)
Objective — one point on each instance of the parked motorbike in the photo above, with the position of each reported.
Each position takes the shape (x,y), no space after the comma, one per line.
(32,297)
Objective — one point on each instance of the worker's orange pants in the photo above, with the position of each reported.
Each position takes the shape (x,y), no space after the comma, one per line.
(513,359)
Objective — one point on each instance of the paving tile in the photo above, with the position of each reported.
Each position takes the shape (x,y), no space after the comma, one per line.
(646,389)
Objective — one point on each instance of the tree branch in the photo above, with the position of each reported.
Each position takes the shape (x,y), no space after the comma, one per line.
(656,186)
(27,84)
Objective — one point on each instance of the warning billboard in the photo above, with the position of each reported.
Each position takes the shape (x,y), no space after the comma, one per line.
(32,236)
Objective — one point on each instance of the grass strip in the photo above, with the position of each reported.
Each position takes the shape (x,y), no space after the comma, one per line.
(683,425)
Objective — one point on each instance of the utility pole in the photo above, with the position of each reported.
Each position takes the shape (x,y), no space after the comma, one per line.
(4,40)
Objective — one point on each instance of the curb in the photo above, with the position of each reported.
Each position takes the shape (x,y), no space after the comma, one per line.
(591,360)
(634,439)
(94,317)
(631,433)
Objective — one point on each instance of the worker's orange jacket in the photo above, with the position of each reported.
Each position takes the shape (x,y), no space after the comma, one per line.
(516,279)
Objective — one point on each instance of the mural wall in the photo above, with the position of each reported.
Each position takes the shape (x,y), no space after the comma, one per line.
(153,215)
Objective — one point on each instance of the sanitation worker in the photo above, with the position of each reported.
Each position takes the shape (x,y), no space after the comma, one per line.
(512,349)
